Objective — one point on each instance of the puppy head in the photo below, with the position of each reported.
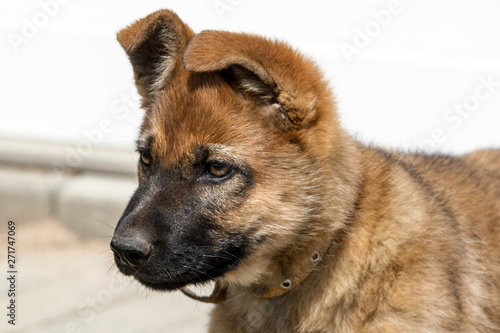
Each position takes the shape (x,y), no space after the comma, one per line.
(236,150)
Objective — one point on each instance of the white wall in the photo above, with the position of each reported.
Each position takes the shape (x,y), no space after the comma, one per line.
(70,76)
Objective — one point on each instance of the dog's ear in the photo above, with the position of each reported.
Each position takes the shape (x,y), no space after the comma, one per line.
(154,45)
(287,85)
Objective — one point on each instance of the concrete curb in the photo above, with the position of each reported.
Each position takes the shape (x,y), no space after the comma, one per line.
(92,204)
(26,195)
(84,189)
(89,203)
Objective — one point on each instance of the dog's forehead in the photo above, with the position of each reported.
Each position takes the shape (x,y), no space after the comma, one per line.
(194,111)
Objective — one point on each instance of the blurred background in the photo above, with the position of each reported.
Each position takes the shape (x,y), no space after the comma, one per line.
(411,75)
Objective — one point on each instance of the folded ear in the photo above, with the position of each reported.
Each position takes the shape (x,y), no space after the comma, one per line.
(154,45)
(287,85)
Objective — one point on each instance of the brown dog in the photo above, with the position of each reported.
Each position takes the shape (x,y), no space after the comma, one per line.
(247,179)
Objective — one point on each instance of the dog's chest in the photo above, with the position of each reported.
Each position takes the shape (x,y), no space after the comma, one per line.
(250,314)
(280,314)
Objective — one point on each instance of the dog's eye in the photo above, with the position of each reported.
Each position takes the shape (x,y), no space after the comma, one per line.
(218,170)
(145,157)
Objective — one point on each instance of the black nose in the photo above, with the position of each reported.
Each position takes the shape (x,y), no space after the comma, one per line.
(130,250)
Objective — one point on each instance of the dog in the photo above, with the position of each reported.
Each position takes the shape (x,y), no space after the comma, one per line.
(247,179)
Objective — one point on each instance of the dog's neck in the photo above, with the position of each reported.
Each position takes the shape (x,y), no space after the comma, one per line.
(293,269)
(295,266)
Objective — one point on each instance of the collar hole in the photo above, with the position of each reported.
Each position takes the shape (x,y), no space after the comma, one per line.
(286,284)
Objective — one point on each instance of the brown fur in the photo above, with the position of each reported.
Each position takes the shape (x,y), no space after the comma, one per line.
(413,240)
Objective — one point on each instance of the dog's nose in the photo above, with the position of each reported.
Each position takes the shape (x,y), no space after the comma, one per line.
(130,250)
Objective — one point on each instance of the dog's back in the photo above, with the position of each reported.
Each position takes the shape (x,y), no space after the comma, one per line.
(454,204)
(466,187)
